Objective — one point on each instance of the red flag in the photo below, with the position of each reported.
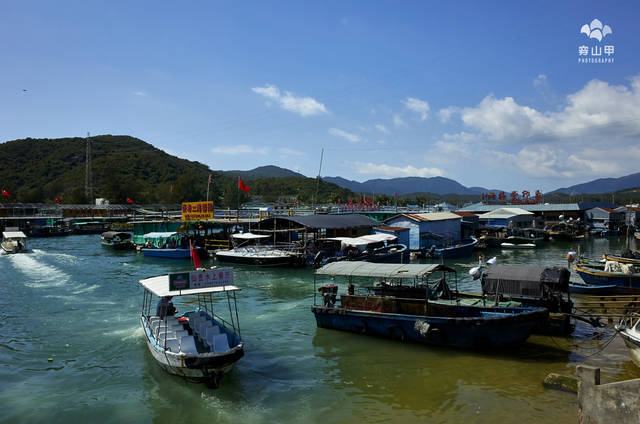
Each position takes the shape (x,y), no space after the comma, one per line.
(241,186)
(5,193)
(396,194)
(57,200)
(129,200)
(194,255)
(210,178)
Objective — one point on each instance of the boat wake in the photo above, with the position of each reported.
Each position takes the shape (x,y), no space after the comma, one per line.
(40,274)
(130,333)
(64,256)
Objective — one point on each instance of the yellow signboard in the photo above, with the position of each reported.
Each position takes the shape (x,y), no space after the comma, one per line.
(192,211)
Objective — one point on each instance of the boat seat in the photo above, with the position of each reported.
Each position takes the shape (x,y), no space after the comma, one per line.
(181,333)
(220,343)
(209,333)
(201,327)
(162,335)
(173,345)
(188,345)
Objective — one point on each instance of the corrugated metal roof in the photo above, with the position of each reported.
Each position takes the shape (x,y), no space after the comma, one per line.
(389,228)
(329,221)
(369,269)
(505,213)
(428,217)
(539,207)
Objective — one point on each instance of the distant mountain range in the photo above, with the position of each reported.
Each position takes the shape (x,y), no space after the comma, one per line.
(407,185)
(602,185)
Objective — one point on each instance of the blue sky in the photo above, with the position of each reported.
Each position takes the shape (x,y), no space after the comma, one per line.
(487,93)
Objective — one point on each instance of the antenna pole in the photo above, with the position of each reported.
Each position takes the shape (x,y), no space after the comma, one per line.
(313,201)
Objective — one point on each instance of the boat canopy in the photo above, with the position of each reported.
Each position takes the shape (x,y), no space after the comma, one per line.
(13,234)
(156,235)
(370,269)
(249,236)
(159,286)
(112,234)
(363,240)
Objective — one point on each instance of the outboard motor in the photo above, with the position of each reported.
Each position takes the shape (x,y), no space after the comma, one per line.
(329,293)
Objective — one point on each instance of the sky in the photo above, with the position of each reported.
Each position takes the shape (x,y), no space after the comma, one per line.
(499,94)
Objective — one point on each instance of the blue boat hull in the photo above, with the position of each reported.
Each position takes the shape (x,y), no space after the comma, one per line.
(484,330)
(460,251)
(167,253)
(624,283)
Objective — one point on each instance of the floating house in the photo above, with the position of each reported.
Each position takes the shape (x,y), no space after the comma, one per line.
(508,217)
(429,229)
(606,219)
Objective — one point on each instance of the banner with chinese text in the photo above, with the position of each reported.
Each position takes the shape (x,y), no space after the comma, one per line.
(192,211)
(216,277)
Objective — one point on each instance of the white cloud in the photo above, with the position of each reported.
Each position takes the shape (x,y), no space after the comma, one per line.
(139,93)
(398,121)
(420,107)
(382,128)
(290,152)
(239,149)
(353,138)
(383,170)
(303,106)
(597,107)
(446,113)
(540,80)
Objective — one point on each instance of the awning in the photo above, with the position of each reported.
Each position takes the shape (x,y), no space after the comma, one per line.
(370,269)
(249,236)
(160,287)
(159,234)
(13,234)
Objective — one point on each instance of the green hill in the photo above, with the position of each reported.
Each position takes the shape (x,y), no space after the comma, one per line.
(40,170)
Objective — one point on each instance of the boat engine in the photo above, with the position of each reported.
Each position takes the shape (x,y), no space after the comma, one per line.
(329,293)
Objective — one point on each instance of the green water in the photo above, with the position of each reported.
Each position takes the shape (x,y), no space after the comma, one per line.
(75,302)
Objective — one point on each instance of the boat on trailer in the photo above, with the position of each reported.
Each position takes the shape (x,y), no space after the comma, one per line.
(450,324)
(629,330)
(14,241)
(199,345)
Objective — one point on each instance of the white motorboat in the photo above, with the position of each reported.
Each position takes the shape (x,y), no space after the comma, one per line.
(517,245)
(14,240)
(629,330)
(248,250)
(198,345)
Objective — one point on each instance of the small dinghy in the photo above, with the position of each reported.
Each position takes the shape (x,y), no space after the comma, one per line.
(629,330)
(518,245)
(198,345)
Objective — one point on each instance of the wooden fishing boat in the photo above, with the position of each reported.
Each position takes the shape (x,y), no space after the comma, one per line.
(417,320)
(14,241)
(117,240)
(620,258)
(592,289)
(199,345)
(629,330)
(625,282)
(380,248)
(459,250)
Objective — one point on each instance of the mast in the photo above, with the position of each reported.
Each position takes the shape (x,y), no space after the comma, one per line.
(88,190)
(313,201)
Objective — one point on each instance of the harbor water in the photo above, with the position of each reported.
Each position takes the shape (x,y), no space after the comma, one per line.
(72,350)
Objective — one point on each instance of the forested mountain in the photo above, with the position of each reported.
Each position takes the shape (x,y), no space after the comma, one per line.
(603,185)
(41,170)
(406,185)
(269,171)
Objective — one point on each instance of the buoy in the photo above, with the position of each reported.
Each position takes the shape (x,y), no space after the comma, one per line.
(50,359)
(475,272)
(492,261)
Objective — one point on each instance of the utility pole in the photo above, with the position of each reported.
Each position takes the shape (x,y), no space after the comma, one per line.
(313,200)
(88,190)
